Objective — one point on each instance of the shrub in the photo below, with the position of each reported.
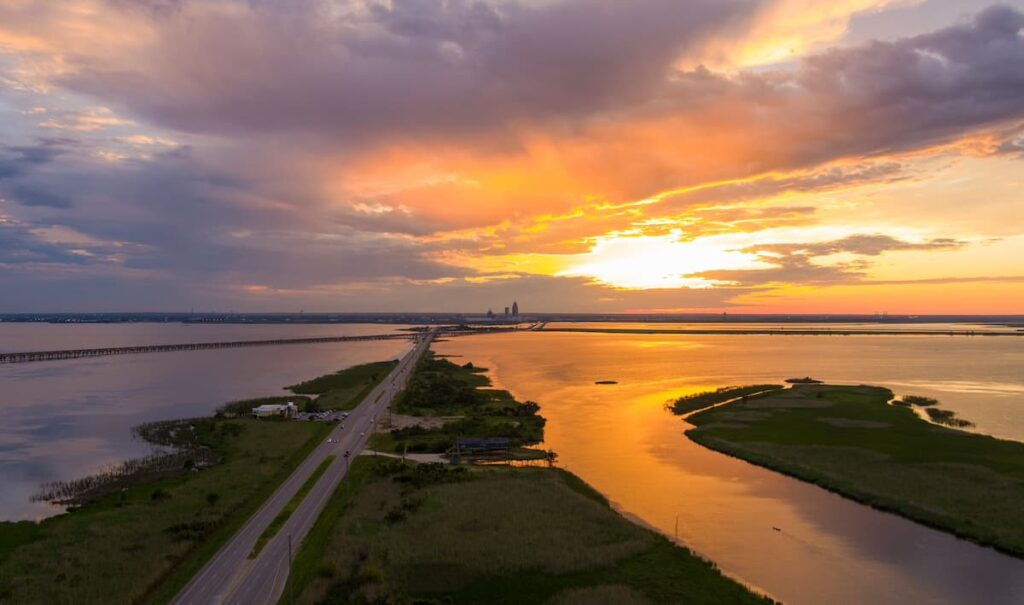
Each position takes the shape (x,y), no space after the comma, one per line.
(947,417)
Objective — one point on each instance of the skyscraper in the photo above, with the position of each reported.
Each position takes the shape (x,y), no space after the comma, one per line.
(515,309)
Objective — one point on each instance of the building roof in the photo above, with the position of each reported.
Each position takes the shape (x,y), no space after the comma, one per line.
(274,407)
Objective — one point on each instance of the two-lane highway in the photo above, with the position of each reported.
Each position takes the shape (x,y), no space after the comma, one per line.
(230,576)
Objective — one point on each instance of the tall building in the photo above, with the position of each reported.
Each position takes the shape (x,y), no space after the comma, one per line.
(506,311)
(515,309)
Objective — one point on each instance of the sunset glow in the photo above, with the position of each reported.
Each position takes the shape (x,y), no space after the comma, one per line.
(600,156)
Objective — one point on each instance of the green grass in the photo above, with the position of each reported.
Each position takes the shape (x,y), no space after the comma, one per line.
(286,512)
(345,389)
(439,387)
(698,401)
(850,440)
(309,562)
(14,534)
(144,543)
(425,534)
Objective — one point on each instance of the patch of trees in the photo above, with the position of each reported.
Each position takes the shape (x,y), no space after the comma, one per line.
(440,390)
(947,417)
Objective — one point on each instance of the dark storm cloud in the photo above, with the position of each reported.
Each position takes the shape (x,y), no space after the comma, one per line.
(913,92)
(175,216)
(32,196)
(17,160)
(864,245)
(412,68)
(795,263)
(20,246)
(446,69)
(458,70)
(827,179)
(795,269)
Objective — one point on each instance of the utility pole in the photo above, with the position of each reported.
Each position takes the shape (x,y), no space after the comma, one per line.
(291,591)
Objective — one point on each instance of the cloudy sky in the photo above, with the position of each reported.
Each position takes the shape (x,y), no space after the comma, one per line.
(451,155)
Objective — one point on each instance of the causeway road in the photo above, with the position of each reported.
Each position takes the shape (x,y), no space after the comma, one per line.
(230,577)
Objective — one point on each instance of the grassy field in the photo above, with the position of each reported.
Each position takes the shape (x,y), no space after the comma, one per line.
(286,512)
(143,543)
(343,390)
(432,534)
(850,440)
(439,388)
(697,401)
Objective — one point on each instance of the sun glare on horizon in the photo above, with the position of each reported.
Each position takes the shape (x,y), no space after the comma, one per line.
(658,261)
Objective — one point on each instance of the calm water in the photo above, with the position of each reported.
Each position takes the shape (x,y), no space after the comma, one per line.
(830,550)
(52,336)
(65,419)
(939,328)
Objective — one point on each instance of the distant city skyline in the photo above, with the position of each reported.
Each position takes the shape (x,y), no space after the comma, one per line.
(768,156)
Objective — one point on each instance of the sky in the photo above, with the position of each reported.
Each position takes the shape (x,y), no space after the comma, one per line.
(765,156)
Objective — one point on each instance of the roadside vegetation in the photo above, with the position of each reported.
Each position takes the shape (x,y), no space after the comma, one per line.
(850,440)
(457,397)
(343,390)
(144,540)
(432,534)
(278,522)
(138,531)
(699,401)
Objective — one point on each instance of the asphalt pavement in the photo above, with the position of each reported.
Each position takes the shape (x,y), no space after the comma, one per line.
(230,577)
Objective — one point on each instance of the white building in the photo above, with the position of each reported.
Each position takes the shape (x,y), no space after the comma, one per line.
(275,409)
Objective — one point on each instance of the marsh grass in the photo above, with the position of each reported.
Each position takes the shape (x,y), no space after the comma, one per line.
(886,456)
(947,417)
(439,387)
(698,401)
(141,544)
(503,535)
(343,390)
(289,508)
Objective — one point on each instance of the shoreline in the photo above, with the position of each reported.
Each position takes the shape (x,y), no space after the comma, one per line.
(777,332)
(785,456)
(637,560)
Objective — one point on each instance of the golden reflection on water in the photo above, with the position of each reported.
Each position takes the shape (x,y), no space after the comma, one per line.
(620,439)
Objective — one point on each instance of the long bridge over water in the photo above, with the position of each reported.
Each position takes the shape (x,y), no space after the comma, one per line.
(28,356)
